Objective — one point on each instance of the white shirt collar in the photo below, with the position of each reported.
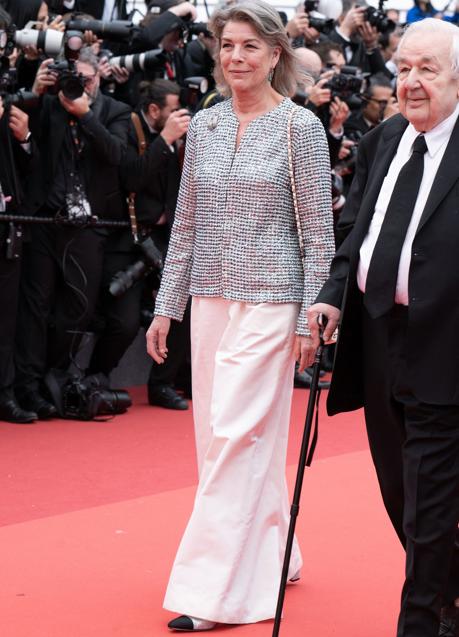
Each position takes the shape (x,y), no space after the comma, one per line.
(436,137)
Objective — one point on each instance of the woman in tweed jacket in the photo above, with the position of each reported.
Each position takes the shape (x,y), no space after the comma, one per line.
(235,249)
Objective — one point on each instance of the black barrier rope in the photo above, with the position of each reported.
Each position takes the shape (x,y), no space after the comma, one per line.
(88,222)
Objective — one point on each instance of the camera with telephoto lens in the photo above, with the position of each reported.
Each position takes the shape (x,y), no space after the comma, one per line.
(379,19)
(69,81)
(149,60)
(323,25)
(152,260)
(347,85)
(115,30)
(25,100)
(49,41)
(85,398)
(318,22)
(196,28)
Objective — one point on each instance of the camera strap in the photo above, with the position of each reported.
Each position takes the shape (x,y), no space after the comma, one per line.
(142,147)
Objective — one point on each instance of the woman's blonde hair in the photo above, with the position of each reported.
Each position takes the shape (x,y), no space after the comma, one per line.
(267,23)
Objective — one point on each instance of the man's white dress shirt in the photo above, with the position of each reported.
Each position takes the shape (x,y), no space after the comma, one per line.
(437,140)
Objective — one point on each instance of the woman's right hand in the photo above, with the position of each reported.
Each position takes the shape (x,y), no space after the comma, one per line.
(156,338)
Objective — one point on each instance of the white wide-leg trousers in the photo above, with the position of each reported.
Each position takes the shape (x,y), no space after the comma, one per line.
(229,562)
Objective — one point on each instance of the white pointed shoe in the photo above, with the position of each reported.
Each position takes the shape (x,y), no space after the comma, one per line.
(189,624)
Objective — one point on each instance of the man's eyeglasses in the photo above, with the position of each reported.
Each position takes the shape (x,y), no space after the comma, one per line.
(88,79)
(382,103)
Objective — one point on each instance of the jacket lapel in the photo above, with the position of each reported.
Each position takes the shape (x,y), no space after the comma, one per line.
(384,153)
(447,175)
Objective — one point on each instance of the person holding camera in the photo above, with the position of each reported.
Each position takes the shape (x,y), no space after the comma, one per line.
(299,29)
(235,248)
(379,103)
(18,156)
(359,39)
(150,171)
(82,141)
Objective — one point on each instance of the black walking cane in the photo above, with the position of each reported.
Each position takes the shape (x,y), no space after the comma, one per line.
(307,451)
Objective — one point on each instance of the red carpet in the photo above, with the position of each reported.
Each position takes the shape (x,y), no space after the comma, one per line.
(92,514)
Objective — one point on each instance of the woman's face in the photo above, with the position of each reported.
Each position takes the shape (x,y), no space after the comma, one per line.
(246,59)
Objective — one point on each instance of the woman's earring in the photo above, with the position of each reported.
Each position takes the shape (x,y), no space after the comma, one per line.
(270,75)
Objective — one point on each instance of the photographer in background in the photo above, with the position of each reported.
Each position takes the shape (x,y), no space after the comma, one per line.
(82,140)
(162,30)
(379,103)
(155,178)
(299,30)
(359,39)
(330,109)
(17,156)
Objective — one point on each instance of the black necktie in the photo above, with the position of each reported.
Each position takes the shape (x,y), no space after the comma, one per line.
(383,271)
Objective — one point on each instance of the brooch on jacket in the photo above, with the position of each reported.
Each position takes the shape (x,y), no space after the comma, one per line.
(213,121)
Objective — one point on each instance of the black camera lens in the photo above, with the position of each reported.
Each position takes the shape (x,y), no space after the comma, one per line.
(72,86)
(112,401)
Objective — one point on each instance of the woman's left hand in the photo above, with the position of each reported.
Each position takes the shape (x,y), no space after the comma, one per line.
(304,351)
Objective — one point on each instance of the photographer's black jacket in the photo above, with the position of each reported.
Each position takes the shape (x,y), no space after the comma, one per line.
(15,166)
(103,134)
(155,176)
(368,62)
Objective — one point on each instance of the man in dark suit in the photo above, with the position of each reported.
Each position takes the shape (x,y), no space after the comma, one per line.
(82,142)
(18,158)
(154,177)
(396,280)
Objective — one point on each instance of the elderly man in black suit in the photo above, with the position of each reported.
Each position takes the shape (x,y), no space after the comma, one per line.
(396,280)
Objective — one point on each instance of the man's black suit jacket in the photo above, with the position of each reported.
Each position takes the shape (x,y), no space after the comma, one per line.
(104,136)
(154,177)
(433,313)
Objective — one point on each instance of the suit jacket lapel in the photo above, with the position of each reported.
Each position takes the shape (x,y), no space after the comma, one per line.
(447,175)
(384,153)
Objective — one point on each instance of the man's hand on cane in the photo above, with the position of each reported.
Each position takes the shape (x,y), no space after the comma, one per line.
(156,338)
(331,312)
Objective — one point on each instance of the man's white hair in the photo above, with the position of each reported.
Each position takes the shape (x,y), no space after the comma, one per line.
(428,27)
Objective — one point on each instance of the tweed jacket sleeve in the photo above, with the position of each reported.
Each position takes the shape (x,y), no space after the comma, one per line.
(235,234)
(313,187)
(175,284)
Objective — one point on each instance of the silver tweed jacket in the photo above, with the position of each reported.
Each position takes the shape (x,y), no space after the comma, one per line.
(235,233)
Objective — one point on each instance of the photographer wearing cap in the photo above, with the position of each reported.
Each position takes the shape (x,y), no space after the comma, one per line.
(17,156)
(82,139)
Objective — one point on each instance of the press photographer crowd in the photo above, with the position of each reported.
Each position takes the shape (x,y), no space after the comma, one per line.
(95,101)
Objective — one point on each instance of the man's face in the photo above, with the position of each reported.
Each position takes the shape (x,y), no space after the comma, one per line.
(427,90)
(336,61)
(160,115)
(376,104)
(91,77)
